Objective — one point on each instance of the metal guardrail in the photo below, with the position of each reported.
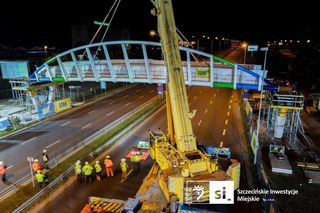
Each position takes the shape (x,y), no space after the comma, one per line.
(75,148)
(58,159)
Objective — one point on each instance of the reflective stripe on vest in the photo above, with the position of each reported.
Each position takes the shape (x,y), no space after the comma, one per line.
(123,166)
(45,157)
(97,167)
(77,169)
(2,170)
(40,177)
(87,169)
(108,163)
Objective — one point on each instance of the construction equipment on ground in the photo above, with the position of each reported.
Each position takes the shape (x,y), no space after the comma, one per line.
(178,160)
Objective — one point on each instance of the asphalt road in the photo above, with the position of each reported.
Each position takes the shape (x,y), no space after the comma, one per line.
(216,121)
(57,135)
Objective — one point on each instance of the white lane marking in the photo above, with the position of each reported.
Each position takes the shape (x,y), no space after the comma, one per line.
(110,113)
(229,106)
(29,140)
(86,126)
(230,101)
(125,96)
(195,97)
(199,122)
(65,123)
(224,132)
(226,122)
(214,95)
(127,104)
(221,144)
(141,96)
(205,112)
(9,167)
(53,144)
(228,113)
(111,103)
(211,102)
(91,111)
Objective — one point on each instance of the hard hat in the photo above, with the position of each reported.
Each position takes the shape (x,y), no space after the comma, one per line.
(86,163)
(44,151)
(38,171)
(108,156)
(97,161)
(1,162)
(123,160)
(36,160)
(78,162)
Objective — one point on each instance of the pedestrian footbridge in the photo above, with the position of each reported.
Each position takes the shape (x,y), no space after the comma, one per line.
(137,62)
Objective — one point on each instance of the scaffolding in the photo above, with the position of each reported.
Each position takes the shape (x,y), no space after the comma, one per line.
(283,116)
(30,95)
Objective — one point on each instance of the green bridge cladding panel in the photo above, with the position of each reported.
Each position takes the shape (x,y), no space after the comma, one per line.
(211,71)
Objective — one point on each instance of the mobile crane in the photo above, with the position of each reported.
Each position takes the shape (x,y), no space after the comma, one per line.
(176,154)
(178,160)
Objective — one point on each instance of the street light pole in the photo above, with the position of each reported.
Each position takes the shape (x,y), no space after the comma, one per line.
(265,49)
(45,50)
(245,53)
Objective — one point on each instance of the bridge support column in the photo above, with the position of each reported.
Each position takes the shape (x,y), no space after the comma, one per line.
(235,73)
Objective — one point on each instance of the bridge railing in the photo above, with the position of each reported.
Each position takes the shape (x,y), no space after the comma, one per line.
(118,61)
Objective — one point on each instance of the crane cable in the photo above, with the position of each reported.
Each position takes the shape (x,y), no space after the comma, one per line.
(185,39)
(98,30)
(105,32)
(104,20)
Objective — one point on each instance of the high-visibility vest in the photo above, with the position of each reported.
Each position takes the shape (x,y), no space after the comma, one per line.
(45,157)
(87,169)
(36,166)
(123,166)
(97,167)
(2,170)
(108,163)
(40,177)
(136,158)
(77,169)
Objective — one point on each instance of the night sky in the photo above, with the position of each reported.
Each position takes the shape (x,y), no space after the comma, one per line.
(38,23)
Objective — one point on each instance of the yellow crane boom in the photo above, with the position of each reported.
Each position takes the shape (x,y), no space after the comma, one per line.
(184,137)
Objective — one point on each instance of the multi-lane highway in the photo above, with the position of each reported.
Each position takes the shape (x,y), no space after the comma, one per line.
(217,121)
(58,134)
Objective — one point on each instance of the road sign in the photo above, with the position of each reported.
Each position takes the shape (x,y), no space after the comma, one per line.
(252,48)
(264,48)
(160,89)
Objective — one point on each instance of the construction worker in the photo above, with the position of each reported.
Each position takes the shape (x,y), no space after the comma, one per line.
(36,165)
(109,166)
(40,178)
(45,158)
(124,168)
(3,171)
(78,171)
(135,159)
(98,170)
(87,171)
